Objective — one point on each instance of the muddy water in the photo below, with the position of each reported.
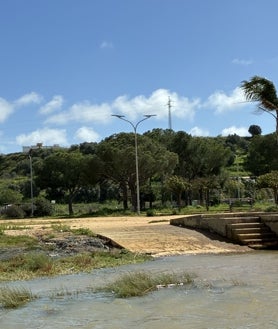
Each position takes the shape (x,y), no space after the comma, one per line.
(238,291)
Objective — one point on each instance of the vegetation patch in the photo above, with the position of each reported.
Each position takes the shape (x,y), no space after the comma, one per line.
(83,231)
(58,250)
(140,283)
(13,297)
(60,228)
(4,227)
(37,264)
(18,241)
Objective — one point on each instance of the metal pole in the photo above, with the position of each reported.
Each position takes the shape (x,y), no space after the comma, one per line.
(31,184)
(169,113)
(134,126)
(137,173)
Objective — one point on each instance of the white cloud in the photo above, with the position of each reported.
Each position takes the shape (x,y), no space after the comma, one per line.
(6,109)
(196,131)
(106,44)
(243,62)
(87,134)
(46,136)
(82,112)
(181,107)
(31,98)
(132,108)
(55,104)
(222,102)
(240,131)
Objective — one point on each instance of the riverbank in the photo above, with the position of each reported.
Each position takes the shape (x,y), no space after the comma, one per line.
(142,235)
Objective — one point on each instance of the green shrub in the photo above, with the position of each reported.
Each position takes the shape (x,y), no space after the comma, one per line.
(18,241)
(27,208)
(271,209)
(61,228)
(83,231)
(14,211)
(43,207)
(150,212)
(9,196)
(83,260)
(37,262)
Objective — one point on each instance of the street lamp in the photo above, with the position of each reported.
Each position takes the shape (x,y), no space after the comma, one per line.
(31,186)
(134,126)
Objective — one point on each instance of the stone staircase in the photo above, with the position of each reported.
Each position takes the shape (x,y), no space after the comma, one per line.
(251,231)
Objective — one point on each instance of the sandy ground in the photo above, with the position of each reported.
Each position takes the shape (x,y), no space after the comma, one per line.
(151,235)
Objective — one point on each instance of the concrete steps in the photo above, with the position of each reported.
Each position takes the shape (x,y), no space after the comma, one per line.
(252,232)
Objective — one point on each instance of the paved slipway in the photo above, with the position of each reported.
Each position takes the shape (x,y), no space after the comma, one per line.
(155,236)
(150,235)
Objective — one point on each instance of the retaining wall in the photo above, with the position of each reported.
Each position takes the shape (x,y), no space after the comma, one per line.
(218,222)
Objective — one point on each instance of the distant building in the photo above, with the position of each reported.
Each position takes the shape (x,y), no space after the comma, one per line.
(26,149)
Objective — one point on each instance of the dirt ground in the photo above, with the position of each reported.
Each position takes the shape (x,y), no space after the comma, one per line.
(150,235)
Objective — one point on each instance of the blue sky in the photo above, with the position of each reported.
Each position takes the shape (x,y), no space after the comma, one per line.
(67,65)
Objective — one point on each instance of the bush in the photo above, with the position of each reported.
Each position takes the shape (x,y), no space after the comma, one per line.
(43,207)
(37,262)
(271,209)
(27,208)
(150,212)
(14,211)
(9,196)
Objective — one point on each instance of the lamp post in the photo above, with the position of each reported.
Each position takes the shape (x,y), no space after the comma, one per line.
(31,184)
(134,126)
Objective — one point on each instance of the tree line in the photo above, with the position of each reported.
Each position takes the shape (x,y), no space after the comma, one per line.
(173,166)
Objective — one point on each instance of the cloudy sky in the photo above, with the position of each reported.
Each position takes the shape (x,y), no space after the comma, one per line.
(67,65)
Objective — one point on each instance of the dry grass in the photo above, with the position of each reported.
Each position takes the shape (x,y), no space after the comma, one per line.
(37,264)
(13,297)
(141,283)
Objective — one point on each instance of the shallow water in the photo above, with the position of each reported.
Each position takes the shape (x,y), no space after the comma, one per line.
(238,291)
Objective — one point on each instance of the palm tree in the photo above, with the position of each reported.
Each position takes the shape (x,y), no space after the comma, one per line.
(263,91)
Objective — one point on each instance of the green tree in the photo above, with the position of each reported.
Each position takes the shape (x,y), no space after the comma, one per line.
(67,172)
(270,180)
(117,154)
(162,136)
(204,186)
(255,130)
(236,143)
(206,157)
(262,155)
(9,196)
(179,144)
(177,185)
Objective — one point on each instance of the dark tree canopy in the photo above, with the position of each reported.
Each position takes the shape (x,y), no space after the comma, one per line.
(67,172)
(262,155)
(117,154)
(255,130)
(106,170)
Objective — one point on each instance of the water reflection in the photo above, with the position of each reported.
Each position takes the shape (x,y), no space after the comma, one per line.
(232,292)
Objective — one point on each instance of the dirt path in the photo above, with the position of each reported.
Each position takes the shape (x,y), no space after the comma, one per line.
(151,235)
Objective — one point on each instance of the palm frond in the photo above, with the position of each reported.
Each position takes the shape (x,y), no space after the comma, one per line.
(261,90)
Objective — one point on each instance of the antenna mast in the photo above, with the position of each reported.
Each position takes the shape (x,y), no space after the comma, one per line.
(169,113)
